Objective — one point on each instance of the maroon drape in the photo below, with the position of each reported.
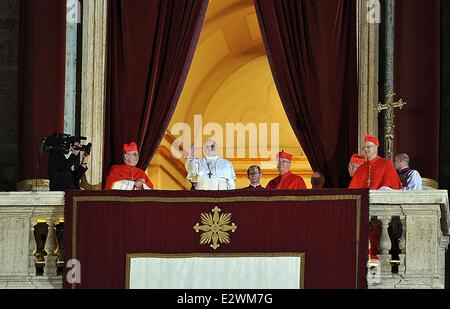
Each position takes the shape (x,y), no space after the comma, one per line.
(151,44)
(329,226)
(417,81)
(311,46)
(42,57)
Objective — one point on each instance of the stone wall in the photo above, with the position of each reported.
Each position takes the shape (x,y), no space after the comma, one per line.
(9,43)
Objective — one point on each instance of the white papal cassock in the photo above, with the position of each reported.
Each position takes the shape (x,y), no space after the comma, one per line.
(211,173)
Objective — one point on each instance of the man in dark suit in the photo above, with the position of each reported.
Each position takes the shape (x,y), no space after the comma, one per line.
(254,174)
(60,172)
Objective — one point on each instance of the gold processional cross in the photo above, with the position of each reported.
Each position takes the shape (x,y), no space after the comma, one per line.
(389,122)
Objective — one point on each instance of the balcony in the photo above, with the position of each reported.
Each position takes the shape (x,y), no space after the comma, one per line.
(32,246)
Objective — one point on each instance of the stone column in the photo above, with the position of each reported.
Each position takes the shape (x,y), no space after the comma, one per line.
(368,18)
(93,86)
(50,246)
(385,246)
(387,54)
(73,18)
(32,247)
(386,68)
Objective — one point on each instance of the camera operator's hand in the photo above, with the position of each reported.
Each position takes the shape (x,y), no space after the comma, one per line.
(139,184)
(85,159)
(74,149)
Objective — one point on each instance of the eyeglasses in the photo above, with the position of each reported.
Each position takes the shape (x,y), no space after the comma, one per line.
(367,147)
(283,161)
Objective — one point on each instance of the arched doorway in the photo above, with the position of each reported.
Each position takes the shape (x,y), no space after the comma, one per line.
(230,82)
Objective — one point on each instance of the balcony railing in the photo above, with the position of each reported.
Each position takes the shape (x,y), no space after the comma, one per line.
(29,246)
(32,246)
(424,220)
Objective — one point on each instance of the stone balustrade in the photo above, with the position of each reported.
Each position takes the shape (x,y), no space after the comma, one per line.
(21,266)
(424,216)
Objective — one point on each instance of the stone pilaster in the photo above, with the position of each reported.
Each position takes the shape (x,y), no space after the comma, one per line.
(367,30)
(93,86)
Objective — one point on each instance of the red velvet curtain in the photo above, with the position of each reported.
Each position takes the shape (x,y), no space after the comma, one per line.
(417,81)
(311,46)
(41,87)
(150,49)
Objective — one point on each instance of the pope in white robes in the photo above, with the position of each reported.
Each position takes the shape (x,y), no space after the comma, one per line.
(210,172)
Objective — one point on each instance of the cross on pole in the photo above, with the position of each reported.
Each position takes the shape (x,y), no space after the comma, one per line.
(389,121)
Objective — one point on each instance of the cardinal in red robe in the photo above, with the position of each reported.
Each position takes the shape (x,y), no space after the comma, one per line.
(127,176)
(286,180)
(376,173)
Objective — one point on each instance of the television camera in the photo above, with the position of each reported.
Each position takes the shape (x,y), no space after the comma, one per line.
(60,141)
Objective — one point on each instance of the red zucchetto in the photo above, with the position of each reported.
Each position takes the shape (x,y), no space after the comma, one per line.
(370,138)
(284,155)
(130,147)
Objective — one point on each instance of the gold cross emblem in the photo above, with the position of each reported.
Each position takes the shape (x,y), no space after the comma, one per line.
(215,228)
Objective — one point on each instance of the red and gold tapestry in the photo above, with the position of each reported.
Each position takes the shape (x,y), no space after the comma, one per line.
(328,226)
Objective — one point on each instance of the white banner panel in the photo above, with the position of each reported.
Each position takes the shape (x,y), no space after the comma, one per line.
(222,272)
